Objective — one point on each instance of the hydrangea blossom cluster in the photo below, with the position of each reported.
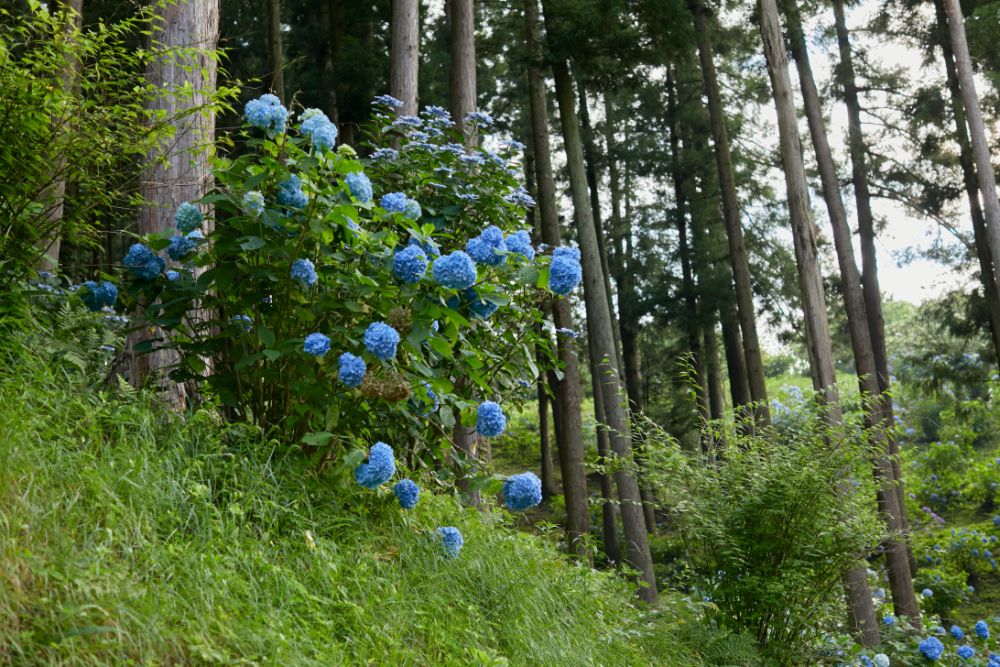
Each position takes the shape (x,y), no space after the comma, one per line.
(982,630)
(321,132)
(520,243)
(490,420)
(143,263)
(478,306)
(304,272)
(253,203)
(520,197)
(455,270)
(98,295)
(379,469)
(931,648)
(521,492)
(290,193)
(451,540)
(351,370)
(398,202)
(267,113)
(242,322)
(409,264)
(430,248)
(965,652)
(407,493)
(381,340)
(182,246)
(188,218)
(387,101)
(316,344)
(359,185)
(488,247)
(565,272)
(957,632)
(173,276)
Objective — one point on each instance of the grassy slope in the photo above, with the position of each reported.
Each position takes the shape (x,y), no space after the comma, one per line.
(131,537)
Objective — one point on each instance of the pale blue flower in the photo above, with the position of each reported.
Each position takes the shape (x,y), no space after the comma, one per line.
(351,370)
(359,185)
(521,492)
(455,270)
(253,203)
(520,243)
(409,264)
(407,493)
(490,420)
(451,540)
(381,340)
(565,272)
(316,344)
(267,113)
(304,272)
(188,218)
(379,469)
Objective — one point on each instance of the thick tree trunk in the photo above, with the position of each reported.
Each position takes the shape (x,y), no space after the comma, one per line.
(567,391)
(599,329)
(739,384)
(275,48)
(462,14)
(180,171)
(332,52)
(810,280)
(716,394)
(900,578)
(731,211)
(405,54)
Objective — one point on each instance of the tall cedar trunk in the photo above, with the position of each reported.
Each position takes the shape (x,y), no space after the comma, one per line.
(275,48)
(599,328)
(900,578)
(716,395)
(977,130)
(53,196)
(567,391)
(862,612)
(405,54)
(332,52)
(179,171)
(739,385)
(545,441)
(967,163)
(866,231)
(462,38)
(731,211)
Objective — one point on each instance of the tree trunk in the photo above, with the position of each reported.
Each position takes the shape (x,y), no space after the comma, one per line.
(180,171)
(405,54)
(739,384)
(275,48)
(567,391)
(599,329)
(900,578)
(332,52)
(810,280)
(462,27)
(731,211)
(716,396)
(548,479)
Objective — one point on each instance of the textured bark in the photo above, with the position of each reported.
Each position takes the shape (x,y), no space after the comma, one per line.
(178,171)
(275,48)
(567,391)
(900,578)
(731,212)
(599,329)
(404,59)
(810,280)
(332,51)
(716,395)
(545,442)
(462,26)
(739,385)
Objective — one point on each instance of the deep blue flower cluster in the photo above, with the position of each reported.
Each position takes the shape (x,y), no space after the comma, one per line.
(889,620)
(480,118)
(520,243)
(488,247)
(455,270)
(321,132)
(316,344)
(521,492)
(379,469)
(451,540)
(407,493)
(931,648)
(266,113)
(520,197)
(982,630)
(957,632)
(304,272)
(490,419)
(478,306)
(409,264)
(253,203)
(381,340)
(387,101)
(565,271)
(398,202)
(430,248)
(188,217)
(98,295)
(290,193)
(360,186)
(143,263)
(965,652)
(182,246)
(351,370)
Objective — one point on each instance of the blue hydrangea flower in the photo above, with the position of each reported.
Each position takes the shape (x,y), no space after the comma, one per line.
(479,118)
(173,276)
(521,492)
(290,193)
(982,630)
(879,593)
(188,217)
(266,113)
(394,202)
(451,540)
(931,648)
(889,620)
(242,322)
(180,247)
(430,248)
(412,211)
(352,370)
(520,243)
(455,270)
(387,101)
(253,203)
(359,185)
(478,306)
(927,593)
(490,419)
(316,344)
(407,493)
(565,272)
(520,197)
(143,263)
(487,248)
(304,272)
(98,295)
(956,632)
(381,340)
(866,661)
(379,469)
(385,154)
(881,660)
(965,652)
(409,264)
(321,132)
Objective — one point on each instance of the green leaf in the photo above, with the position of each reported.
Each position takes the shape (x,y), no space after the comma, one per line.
(265,335)
(251,242)
(318,439)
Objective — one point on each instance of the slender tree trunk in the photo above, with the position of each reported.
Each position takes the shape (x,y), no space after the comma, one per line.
(716,395)
(810,280)
(739,384)
(731,211)
(567,391)
(332,53)
(275,48)
(900,579)
(548,480)
(599,329)
(462,25)
(405,54)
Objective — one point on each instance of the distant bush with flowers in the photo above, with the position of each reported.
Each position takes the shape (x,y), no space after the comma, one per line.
(337,301)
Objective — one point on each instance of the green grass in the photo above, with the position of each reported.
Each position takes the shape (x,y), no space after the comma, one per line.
(132,536)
